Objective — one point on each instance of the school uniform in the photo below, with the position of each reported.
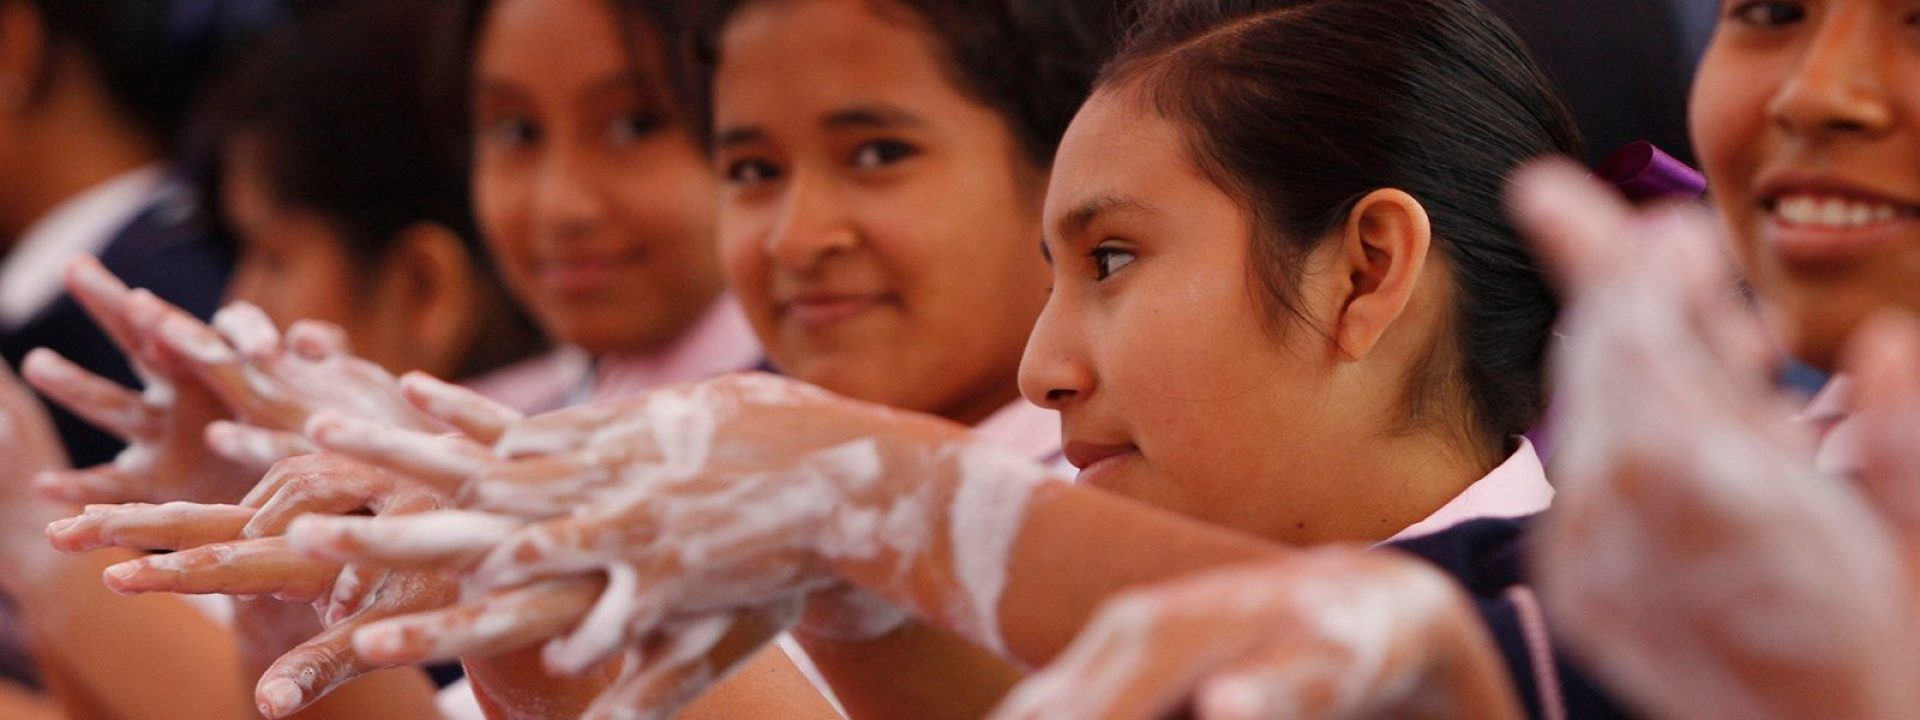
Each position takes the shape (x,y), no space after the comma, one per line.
(1479,539)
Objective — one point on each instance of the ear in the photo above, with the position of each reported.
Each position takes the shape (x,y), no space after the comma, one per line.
(1383,249)
(430,296)
(23,53)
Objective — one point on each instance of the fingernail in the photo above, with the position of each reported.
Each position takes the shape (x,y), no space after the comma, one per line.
(279,698)
(52,486)
(124,573)
(60,527)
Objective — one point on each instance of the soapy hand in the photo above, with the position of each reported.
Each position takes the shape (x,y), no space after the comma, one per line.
(214,555)
(696,507)
(1330,633)
(1695,555)
(166,427)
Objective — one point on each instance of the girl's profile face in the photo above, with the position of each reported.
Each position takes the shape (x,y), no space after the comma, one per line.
(876,222)
(597,205)
(1804,116)
(1158,351)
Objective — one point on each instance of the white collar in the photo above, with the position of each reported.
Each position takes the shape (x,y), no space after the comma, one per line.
(30,275)
(1517,488)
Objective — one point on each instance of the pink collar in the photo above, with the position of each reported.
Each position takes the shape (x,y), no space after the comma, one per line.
(1024,428)
(720,342)
(1517,488)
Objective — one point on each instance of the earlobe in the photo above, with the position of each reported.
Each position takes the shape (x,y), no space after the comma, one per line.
(22,53)
(1384,247)
(432,275)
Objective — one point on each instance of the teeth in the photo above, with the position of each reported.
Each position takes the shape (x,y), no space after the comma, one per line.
(1834,212)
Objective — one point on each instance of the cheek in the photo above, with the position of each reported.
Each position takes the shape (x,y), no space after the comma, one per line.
(744,259)
(500,209)
(1728,117)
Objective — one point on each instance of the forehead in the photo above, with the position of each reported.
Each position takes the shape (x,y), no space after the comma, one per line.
(1117,147)
(779,55)
(543,43)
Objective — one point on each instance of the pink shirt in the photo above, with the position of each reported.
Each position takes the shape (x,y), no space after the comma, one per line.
(1029,430)
(1517,488)
(720,342)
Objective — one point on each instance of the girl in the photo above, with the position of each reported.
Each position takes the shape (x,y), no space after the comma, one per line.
(1702,555)
(1803,120)
(1336,266)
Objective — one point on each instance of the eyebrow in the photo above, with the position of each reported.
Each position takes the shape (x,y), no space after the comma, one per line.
(1075,222)
(859,117)
(870,117)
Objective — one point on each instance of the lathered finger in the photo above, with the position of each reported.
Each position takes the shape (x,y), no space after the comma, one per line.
(173,526)
(101,485)
(102,402)
(247,567)
(441,461)
(473,414)
(481,627)
(434,539)
(254,447)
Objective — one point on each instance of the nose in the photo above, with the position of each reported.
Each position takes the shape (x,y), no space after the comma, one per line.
(568,200)
(814,224)
(1053,370)
(1839,87)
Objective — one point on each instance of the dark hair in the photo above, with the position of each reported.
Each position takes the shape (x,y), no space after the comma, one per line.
(336,106)
(1032,61)
(1302,107)
(152,57)
(648,26)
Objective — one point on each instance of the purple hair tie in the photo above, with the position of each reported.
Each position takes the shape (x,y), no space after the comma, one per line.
(1643,173)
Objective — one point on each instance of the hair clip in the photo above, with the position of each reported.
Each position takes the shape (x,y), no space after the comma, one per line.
(1643,172)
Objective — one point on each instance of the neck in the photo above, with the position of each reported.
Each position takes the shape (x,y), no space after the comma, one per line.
(1367,496)
(67,148)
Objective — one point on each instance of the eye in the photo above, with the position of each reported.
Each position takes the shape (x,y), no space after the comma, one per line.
(751,172)
(1767,13)
(881,153)
(511,131)
(1109,260)
(628,128)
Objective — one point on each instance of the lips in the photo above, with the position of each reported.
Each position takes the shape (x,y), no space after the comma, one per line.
(586,273)
(1098,461)
(821,310)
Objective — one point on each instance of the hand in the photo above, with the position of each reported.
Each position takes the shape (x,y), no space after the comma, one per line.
(1333,633)
(733,496)
(165,427)
(1732,578)
(197,378)
(237,550)
(29,446)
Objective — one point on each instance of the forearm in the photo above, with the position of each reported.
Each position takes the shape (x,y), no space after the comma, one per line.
(1025,572)
(516,686)
(150,657)
(400,694)
(917,670)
